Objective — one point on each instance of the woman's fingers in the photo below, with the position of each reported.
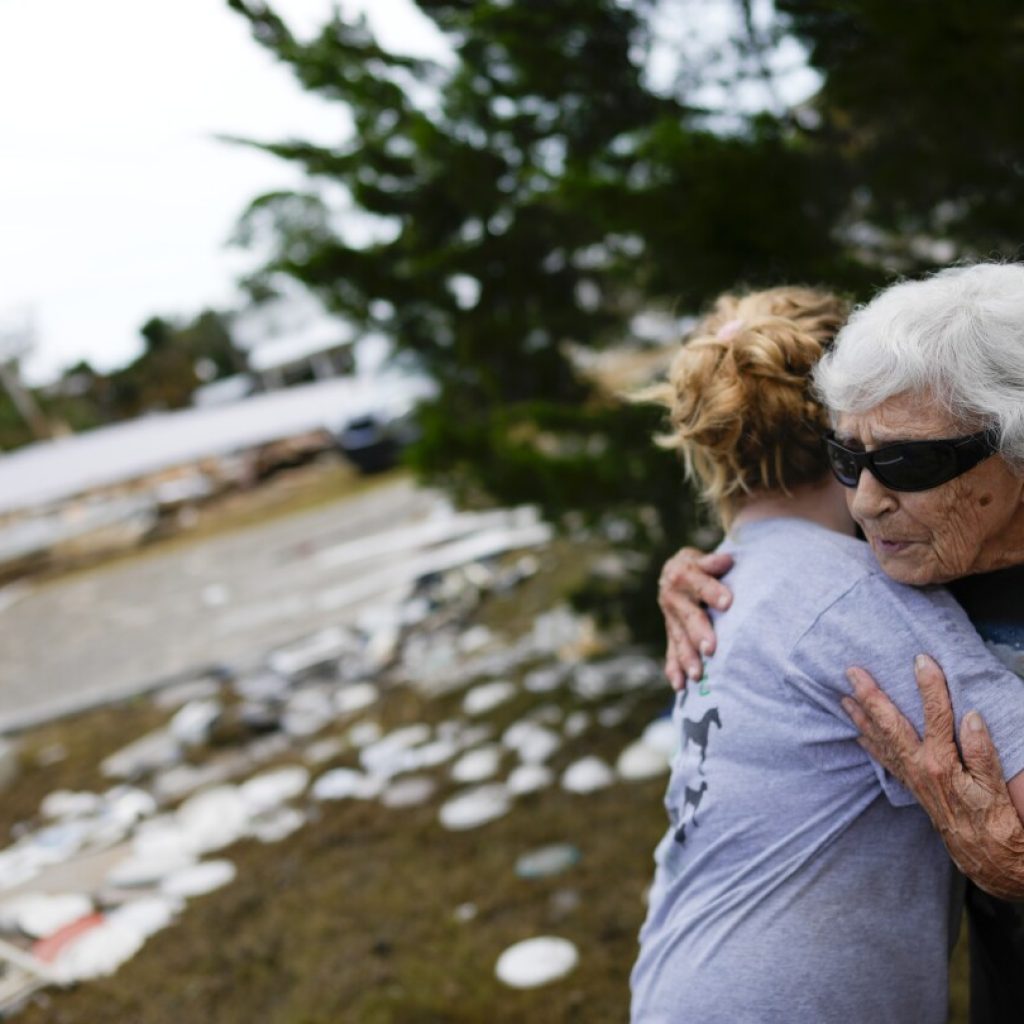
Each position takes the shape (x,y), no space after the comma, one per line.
(939,724)
(980,756)
(680,648)
(674,671)
(687,582)
(694,575)
(894,742)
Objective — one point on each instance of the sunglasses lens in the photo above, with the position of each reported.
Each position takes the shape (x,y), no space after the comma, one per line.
(916,467)
(844,465)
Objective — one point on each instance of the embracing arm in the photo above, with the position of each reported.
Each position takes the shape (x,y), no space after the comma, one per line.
(977,814)
(688,583)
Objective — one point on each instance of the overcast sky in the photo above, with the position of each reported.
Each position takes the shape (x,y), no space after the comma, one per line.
(116,200)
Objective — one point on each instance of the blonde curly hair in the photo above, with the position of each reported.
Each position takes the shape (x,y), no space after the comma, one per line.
(739,394)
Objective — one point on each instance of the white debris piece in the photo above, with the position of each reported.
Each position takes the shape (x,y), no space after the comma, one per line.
(199,879)
(41,914)
(615,714)
(177,782)
(98,952)
(346,784)
(191,725)
(528,778)
(146,915)
(434,753)
(65,803)
(213,819)
(262,686)
(315,651)
(616,675)
(271,788)
(663,736)
(307,712)
(559,629)
(355,697)
(487,696)
(127,805)
(475,639)
(157,749)
(536,962)
(320,649)
(477,765)
(390,755)
(277,824)
(474,807)
(546,679)
(576,724)
(409,792)
(323,750)
(147,867)
(465,912)
(587,775)
(532,742)
(364,733)
(17,865)
(640,761)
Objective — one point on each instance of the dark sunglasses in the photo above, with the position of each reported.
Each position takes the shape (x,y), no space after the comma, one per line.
(911,465)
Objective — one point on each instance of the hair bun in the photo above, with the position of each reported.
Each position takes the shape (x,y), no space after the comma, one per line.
(739,394)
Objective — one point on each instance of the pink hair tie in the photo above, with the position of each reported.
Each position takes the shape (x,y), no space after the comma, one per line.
(729,330)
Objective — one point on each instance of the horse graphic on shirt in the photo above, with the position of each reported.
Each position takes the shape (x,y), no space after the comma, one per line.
(698,732)
(691,801)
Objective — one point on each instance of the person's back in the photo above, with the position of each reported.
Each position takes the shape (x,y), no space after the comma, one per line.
(796,882)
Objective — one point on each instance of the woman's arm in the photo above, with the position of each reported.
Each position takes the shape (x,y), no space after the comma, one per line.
(689,582)
(977,814)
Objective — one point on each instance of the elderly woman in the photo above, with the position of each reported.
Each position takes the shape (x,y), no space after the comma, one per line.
(926,389)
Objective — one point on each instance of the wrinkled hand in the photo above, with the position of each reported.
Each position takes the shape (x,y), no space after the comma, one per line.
(687,583)
(966,798)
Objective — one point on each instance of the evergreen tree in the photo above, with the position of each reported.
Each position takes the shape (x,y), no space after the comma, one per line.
(537,191)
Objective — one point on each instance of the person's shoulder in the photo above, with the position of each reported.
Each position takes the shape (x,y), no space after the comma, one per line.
(792,570)
(817,558)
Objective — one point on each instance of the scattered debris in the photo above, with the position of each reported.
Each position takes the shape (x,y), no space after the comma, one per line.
(474,807)
(536,962)
(103,871)
(477,765)
(547,860)
(528,778)
(587,775)
(346,784)
(198,879)
(409,792)
(487,696)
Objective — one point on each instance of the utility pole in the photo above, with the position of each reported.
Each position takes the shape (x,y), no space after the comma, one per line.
(17,339)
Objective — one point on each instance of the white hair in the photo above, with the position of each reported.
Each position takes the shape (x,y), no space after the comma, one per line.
(956,337)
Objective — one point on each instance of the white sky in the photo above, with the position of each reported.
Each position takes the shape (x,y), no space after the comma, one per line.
(115,199)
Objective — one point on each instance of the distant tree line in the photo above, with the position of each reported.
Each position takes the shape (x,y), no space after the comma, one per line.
(177,356)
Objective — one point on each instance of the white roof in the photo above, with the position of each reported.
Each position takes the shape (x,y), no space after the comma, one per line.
(49,471)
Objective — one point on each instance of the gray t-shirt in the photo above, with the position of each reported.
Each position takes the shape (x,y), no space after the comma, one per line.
(798,881)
